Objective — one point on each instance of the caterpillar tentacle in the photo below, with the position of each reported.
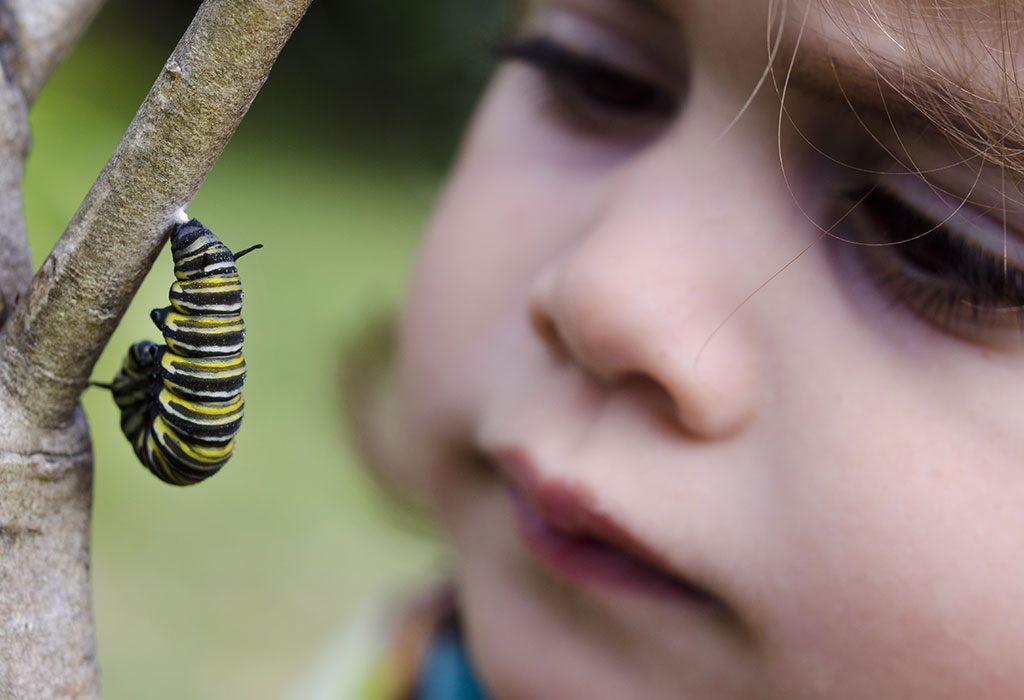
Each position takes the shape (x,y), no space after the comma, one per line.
(246,251)
(181,402)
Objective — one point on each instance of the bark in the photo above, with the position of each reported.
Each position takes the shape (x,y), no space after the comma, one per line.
(34,36)
(45,30)
(55,333)
(15,263)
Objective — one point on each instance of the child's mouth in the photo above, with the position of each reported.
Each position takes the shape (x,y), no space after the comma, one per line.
(568,535)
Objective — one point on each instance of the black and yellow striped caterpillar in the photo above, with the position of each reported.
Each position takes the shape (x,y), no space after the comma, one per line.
(181,402)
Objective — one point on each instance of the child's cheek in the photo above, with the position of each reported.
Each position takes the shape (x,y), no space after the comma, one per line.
(903,558)
(504,214)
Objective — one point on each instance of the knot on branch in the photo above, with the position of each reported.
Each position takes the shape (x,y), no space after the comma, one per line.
(167,82)
(44,466)
(13,531)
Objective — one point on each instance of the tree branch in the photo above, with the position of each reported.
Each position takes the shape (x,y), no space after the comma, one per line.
(34,36)
(78,296)
(47,647)
(45,31)
(15,261)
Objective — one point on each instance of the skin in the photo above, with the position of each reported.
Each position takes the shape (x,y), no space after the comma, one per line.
(840,470)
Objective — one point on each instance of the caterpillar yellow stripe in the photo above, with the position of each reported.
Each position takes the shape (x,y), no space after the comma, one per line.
(181,402)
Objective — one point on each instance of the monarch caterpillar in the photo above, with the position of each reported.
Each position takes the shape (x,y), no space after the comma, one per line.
(181,402)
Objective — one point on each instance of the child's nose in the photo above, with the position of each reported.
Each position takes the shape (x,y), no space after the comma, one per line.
(638,297)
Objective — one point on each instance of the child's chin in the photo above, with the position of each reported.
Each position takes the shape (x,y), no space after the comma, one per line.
(521,655)
(530,645)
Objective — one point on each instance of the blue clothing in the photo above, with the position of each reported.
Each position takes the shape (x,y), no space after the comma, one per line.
(448,672)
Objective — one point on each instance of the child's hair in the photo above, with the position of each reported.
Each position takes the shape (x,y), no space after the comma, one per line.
(973,39)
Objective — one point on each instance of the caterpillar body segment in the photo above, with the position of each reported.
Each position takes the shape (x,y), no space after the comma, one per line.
(203,378)
(217,295)
(189,335)
(181,402)
(207,423)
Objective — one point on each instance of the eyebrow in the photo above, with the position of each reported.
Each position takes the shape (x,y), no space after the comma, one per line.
(663,9)
(911,96)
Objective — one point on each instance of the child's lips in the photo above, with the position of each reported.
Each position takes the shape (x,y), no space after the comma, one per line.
(562,528)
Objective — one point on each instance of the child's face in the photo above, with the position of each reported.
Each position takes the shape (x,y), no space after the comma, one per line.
(684,444)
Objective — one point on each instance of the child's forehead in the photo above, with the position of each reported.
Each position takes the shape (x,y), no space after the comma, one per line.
(936,9)
(886,26)
(955,64)
(952,65)
(936,63)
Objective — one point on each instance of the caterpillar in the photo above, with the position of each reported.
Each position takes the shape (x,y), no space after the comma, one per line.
(181,402)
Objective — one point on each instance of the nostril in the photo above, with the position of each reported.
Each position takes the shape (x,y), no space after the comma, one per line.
(651,393)
(548,333)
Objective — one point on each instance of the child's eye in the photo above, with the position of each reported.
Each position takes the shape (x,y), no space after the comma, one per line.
(590,93)
(957,268)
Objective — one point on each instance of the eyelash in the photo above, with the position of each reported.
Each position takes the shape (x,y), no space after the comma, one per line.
(938,273)
(589,94)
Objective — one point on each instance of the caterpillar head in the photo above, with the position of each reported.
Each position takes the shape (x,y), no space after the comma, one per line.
(144,354)
(198,253)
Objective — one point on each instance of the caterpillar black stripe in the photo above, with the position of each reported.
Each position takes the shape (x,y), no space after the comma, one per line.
(181,402)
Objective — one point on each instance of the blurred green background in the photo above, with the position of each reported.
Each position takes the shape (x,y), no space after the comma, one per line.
(231,588)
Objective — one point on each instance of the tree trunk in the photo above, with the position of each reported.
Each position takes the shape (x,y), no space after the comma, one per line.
(59,320)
